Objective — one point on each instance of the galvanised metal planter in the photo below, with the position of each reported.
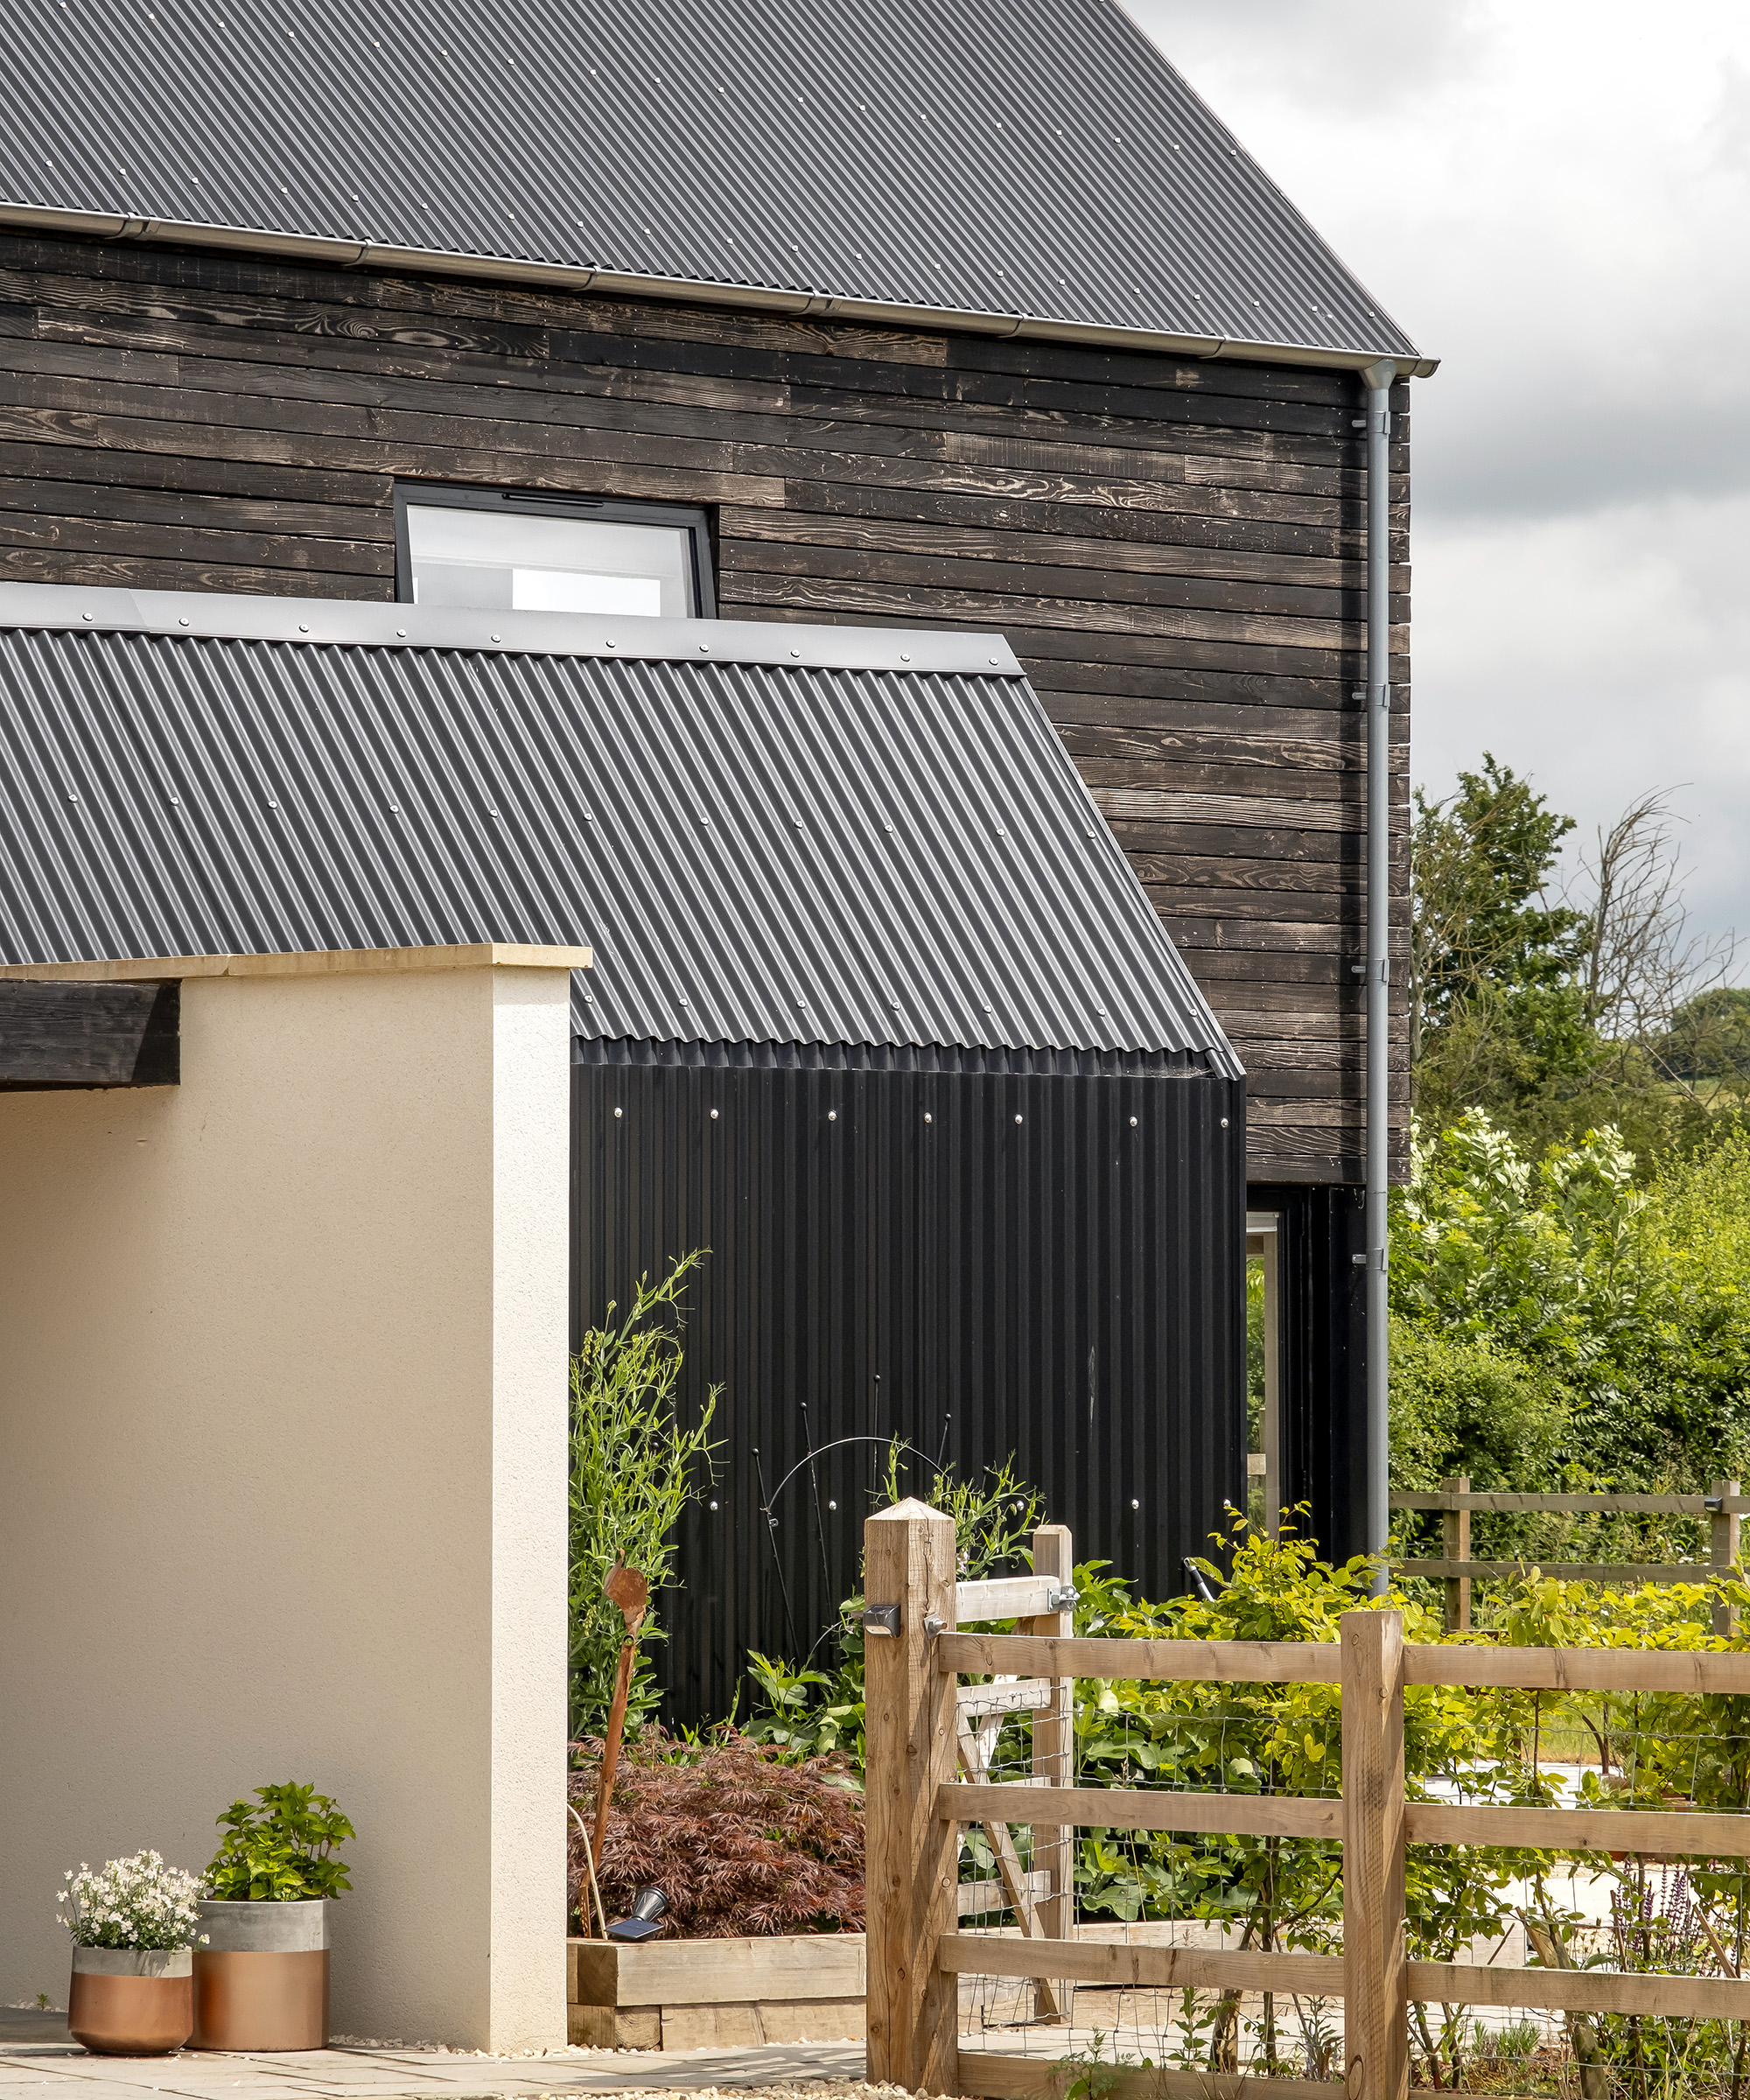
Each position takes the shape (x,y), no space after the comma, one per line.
(261,1981)
(126,2001)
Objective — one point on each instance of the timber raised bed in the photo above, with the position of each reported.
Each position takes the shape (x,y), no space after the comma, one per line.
(699,1994)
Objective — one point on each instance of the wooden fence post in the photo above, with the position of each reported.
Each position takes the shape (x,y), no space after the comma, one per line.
(1722,1551)
(1455,1545)
(912,1864)
(1055,1738)
(1375,2002)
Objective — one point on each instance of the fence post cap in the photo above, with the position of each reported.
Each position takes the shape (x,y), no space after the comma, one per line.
(906,1511)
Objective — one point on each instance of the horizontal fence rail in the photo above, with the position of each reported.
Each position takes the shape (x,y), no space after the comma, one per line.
(1691,1670)
(1456,1501)
(1499,1502)
(919,1802)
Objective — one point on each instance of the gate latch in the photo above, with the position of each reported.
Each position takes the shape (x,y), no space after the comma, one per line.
(1059,1598)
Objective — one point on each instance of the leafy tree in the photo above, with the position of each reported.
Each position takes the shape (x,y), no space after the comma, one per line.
(1559,1322)
(1560,1010)
(1481,923)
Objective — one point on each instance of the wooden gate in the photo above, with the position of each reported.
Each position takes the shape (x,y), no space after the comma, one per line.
(918,1801)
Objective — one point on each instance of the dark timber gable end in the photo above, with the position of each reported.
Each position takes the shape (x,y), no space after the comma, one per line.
(1173,546)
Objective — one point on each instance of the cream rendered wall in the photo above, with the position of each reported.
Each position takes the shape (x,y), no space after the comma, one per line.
(283,1457)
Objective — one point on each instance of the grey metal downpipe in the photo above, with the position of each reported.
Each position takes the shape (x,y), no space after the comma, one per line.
(1378,378)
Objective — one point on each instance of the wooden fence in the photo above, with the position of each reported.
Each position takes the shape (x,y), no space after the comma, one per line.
(1724,1506)
(918,1804)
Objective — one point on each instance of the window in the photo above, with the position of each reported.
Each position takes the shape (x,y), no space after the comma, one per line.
(513,551)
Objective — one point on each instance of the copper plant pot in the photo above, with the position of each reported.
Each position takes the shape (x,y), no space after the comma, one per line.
(130,2002)
(261,1980)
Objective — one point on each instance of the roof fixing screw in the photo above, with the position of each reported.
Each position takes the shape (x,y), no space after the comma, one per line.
(1224,1123)
(714,1113)
(182,621)
(927,1117)
(301,627)
(88,616)
(1133,1122)
(832,1115)
(495,637)
(903,657)
(402,631)
(619,1111)
(795,652)
(1017,1119)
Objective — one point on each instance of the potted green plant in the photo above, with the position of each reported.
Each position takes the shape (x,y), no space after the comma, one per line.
(261,1979)
(134,1924)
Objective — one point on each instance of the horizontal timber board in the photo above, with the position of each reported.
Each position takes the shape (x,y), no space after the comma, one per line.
(769,414)
(1186,1661)
(199,543)
(947,566)
(1580,1991)
(1158,732)
(1577,1829)
(641,366)
(1315,1975)
(1262,812)
(1348,541)
(1690,1672)
(231,513)
(584,474)
(508,436)
(795,530)
(49,464)
(1694,1671)
(1141,1968)
(732,1972)
(1565,1571)
(145,573)
(992,611)
(1631,1505)
(1144,1808)
(1183,773)
(991,2074)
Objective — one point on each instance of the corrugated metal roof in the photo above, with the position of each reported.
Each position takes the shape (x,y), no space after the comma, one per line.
(1036,164)
(766,849)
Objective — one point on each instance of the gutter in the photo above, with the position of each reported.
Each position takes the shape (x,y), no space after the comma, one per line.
(373,254)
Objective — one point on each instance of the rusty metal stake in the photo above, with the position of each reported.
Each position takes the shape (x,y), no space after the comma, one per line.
(631,1592)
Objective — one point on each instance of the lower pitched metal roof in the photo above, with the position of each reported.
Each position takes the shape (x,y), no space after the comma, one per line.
(766,834)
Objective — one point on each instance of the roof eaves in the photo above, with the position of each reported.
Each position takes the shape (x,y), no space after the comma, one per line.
(353,255)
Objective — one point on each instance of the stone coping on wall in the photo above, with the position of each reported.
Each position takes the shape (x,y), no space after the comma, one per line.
(308,962)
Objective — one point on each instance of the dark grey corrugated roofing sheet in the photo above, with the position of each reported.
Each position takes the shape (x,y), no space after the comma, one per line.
(1036,164)
(766,834)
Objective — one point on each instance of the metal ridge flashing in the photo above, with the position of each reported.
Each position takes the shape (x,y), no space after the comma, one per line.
(374,255)
(190,615)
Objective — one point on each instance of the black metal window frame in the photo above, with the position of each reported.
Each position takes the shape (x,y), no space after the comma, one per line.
(536,503)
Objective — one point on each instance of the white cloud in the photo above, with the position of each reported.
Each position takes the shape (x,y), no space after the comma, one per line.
(1554,198)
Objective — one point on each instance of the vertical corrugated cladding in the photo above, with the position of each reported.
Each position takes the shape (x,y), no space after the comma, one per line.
(985,1254)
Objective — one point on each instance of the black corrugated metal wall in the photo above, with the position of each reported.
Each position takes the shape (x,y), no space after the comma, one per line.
(980,1252)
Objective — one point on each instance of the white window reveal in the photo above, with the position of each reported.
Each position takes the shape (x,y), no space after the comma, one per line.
(514,560)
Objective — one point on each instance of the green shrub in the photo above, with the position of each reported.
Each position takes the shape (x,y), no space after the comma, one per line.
(282,1850)
(634,1468)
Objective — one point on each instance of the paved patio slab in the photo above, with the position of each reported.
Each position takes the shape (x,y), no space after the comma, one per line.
(39,2063)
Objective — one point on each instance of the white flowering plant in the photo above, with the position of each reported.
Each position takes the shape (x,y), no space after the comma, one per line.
(138,1902)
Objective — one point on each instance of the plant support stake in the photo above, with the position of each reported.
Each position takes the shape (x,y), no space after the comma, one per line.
(631,1592)
(1378,378)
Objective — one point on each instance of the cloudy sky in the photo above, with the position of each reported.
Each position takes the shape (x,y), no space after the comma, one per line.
(1553,197)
